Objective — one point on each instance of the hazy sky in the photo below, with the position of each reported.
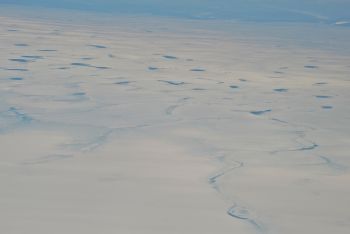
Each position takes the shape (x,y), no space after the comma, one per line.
(277,10)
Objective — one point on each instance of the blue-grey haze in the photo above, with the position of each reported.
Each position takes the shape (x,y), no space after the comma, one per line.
(256,10)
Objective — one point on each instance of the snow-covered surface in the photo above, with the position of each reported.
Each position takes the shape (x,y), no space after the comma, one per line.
(142,125)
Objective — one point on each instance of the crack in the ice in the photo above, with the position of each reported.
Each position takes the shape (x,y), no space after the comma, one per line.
(333,165)
(213,179)
(243,213)
(234,210)
(181,102)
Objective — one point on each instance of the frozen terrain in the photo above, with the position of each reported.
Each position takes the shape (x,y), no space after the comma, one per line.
(155,125)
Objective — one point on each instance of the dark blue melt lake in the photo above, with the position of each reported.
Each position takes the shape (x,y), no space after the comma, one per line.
(169,57)
(16,78)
